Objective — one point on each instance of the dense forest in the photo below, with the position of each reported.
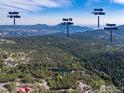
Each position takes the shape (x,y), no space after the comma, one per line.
(61,62)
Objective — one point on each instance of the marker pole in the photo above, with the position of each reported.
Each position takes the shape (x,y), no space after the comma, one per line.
(98,21)
(14,22)
(111,36)
(67,31)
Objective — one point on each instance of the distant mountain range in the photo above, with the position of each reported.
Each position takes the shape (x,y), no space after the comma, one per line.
(77,32)
(100,34)
(118,36)
(39,29)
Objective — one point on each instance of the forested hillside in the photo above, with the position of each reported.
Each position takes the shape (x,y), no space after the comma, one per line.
(61,63)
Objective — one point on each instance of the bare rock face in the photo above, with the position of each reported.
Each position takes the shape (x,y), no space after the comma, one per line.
(5,41)
(43,85)
(84,88)
(108,89)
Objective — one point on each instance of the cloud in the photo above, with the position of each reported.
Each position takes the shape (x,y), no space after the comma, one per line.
(32,5)
(92,2)
(118,1)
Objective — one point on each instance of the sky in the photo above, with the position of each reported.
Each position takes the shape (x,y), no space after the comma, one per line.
(51,12)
